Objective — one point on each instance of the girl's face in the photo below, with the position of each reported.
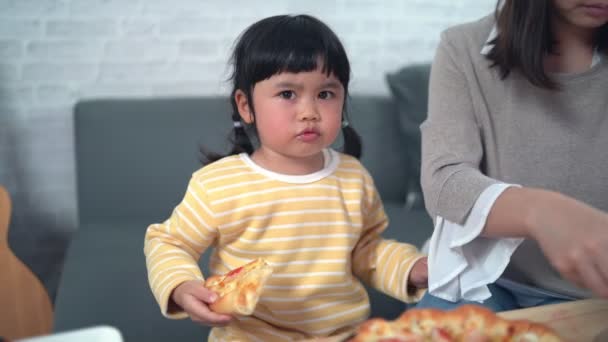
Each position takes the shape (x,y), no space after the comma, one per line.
(296,114)
(584,14)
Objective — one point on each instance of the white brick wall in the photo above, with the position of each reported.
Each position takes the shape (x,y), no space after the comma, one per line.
(54,52)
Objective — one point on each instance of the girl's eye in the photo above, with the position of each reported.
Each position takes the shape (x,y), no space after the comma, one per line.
(326,94)
(287,94)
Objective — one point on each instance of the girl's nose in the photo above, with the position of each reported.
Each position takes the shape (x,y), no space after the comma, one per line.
(309,112)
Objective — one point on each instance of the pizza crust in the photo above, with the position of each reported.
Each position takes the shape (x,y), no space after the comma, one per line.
(240,289)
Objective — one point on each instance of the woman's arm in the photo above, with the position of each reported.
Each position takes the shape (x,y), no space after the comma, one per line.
(572,234)
(502,222)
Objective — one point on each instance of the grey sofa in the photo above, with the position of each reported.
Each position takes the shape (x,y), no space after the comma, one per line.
(134,159)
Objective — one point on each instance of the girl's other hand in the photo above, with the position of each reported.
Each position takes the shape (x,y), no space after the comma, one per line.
(193,297)
(419,275)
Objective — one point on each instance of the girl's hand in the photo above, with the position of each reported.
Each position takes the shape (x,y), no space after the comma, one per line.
(419,275)
(192,296)
(574,238)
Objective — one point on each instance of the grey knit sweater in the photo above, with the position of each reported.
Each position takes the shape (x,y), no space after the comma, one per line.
(482,130)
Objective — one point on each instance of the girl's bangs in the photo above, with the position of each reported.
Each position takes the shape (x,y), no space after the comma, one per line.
(296,49)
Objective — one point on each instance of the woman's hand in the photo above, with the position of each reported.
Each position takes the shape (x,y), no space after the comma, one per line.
(574,238)
(192,296)
(419,275)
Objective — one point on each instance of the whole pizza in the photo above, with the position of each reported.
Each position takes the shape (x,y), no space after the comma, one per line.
(470,323)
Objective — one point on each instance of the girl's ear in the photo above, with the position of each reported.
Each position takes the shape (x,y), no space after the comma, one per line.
(242,104)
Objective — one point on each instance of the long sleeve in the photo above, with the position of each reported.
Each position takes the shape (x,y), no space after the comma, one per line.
(462,263)
(384,264)
(452,149)
(172,248)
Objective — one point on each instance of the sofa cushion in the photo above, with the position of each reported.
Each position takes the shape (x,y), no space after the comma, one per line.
(409,87)
(105,282)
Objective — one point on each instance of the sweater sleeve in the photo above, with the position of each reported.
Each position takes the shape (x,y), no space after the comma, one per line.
(384,264)
(451,141)
(462,263)
(172,248)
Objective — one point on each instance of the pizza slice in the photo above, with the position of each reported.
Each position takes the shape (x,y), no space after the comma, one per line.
(469,323)
(240,289)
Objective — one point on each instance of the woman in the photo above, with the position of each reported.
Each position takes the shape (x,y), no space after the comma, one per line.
(515,157)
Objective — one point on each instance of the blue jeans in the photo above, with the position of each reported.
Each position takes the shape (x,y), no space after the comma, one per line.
(505,296)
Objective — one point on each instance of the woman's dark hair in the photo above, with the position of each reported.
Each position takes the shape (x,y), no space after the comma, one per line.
(285,43)
(525,36)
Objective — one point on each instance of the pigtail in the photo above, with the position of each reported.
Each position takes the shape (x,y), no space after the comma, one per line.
(352,141)
(239,139)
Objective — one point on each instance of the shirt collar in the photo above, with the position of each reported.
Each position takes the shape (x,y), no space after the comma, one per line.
(596,57)
(487,46)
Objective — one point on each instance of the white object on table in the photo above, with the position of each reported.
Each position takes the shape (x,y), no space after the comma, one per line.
(91,334)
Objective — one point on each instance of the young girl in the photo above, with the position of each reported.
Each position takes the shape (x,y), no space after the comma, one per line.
(311,212)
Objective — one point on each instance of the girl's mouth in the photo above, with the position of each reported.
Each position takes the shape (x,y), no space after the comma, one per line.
(308,135)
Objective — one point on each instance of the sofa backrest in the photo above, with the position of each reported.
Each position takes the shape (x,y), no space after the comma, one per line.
(134,157)
(377,122)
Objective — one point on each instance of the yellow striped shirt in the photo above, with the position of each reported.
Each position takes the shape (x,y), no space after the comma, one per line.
(320,232)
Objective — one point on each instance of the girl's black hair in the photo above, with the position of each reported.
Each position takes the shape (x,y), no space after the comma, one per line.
(284,43)
(525,37)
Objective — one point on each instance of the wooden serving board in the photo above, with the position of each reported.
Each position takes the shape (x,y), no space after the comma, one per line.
(580,321)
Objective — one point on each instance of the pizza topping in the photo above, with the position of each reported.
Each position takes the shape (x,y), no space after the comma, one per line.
(239,289)
(441,335)
(234,271)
